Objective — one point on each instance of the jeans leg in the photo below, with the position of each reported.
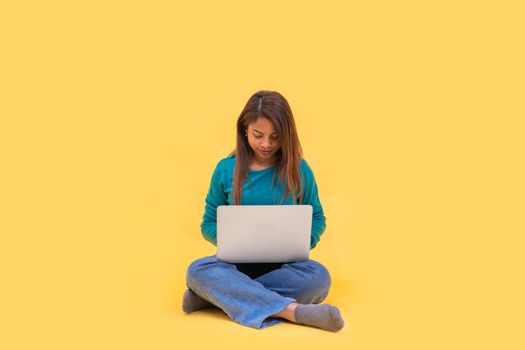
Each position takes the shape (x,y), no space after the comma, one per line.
(307,282)
(243,299)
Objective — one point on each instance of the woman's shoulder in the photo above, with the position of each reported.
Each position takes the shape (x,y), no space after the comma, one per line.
(304,165)
(226,162)
(306,170)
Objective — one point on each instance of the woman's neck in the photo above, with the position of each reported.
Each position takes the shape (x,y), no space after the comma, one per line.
(256,164)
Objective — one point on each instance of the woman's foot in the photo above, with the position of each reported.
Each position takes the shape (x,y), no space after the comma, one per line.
(323,316)
(192,302)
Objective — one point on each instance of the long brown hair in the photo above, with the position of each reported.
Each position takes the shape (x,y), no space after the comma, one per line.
(273,106)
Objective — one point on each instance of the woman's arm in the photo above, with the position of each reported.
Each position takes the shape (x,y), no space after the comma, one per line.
(311,196)
(214,198)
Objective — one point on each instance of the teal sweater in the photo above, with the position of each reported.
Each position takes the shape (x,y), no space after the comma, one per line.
(261,192)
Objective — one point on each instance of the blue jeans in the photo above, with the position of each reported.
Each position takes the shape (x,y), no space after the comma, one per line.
(250,293)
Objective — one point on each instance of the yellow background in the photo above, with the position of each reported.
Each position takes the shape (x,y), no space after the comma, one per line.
(114,115)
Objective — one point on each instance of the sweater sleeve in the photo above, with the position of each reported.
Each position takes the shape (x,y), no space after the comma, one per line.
(215,197)
(311,197)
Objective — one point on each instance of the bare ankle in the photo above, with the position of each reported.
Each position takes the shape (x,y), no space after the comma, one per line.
(288,313)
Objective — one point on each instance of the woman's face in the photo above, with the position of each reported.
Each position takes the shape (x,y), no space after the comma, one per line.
(263,139)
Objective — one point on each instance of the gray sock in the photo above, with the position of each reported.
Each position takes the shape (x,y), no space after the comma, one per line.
(323,316)
(192,302)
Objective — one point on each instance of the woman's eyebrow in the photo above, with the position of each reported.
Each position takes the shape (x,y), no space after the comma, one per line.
(262,132)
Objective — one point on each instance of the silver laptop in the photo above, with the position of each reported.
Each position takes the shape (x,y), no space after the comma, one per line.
(263,233)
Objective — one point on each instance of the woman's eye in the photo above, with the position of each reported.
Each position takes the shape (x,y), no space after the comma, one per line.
(274,137)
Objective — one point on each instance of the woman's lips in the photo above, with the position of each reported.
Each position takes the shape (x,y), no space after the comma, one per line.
(265,153)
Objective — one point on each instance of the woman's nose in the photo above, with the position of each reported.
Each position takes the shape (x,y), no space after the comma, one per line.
(266,143)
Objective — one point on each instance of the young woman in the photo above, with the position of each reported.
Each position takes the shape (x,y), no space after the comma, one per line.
(269,157)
